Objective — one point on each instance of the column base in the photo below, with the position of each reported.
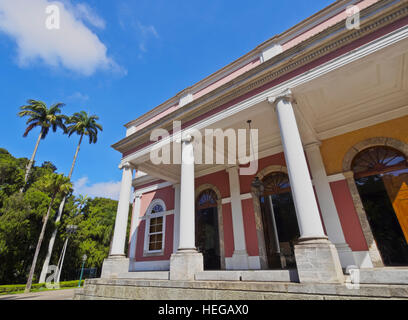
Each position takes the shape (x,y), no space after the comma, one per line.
(317,261)
(346,256)
(114,265)
(238,261)
(185,264)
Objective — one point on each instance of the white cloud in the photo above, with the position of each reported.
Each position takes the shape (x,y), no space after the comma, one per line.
(109,190)
(78,96)
(73,46)
(84,12)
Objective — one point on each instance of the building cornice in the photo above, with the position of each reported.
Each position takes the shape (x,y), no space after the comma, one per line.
(287,35)
(334,38)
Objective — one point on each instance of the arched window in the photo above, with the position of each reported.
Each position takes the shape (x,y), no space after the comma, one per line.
(155,222)
(207,199)
(276,183)
(378,160)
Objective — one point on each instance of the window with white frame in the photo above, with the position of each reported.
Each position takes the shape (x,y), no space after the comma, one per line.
(155,225)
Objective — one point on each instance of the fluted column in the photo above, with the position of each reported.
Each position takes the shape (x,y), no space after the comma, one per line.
(122,215)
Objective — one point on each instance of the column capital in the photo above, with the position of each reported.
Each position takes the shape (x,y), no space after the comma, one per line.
(126,165)
(188,138)
(232,168)
(313,145)
(138,195)
(285,95)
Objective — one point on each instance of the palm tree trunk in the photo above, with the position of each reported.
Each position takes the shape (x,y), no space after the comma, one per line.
(37,250)
(44,269)
(30,164)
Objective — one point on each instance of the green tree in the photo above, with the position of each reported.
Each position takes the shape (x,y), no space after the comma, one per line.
(82,124)
(40,116)
(54,184)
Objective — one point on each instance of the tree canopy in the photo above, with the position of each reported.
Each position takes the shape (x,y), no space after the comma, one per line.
(21,217)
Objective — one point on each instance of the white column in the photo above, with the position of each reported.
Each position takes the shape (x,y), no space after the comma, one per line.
(135,226)
(317,259)
(186,262)
(307,211)
(240,255)
(176,233)
(327,206)
(119,235)
(187,196)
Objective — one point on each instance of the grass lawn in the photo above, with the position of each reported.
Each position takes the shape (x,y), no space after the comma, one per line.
(37,287)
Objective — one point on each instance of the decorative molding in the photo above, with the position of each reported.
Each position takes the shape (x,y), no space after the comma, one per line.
(336,177)
(341,40)
(244,196)
(154,187)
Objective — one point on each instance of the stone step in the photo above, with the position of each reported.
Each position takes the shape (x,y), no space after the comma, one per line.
(138,289)
(145,275)
(388,275)
(253,275)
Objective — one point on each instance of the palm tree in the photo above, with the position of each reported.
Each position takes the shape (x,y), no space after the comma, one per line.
(54,184)
(82,124)
(45,118)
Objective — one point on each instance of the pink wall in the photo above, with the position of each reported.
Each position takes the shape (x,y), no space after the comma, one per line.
(348,216)
(168,245)
(219,179)
(167,195)
(277,159)
(251,239)
(342,197)
(228,233)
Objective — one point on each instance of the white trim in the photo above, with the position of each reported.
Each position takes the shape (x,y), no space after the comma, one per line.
(347,58)
(336,177)
(154,187)
(244,196)
(363,259)
(135,226)
(161,265)
(164,213)
(254,263)
(148,217)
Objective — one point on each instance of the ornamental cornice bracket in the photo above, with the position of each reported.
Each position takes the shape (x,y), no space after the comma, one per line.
(286,95)
(126,165)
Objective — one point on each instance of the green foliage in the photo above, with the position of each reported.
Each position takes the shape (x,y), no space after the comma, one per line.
(82,124)
(19,288)
(21,216)
(40,116)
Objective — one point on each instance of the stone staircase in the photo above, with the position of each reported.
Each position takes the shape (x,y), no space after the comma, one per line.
(381,283)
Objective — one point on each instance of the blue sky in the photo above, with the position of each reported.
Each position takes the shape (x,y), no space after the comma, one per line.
(119,59)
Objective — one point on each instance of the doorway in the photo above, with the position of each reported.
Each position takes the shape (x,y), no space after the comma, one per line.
(381,176)
(280,225)
(206,231)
